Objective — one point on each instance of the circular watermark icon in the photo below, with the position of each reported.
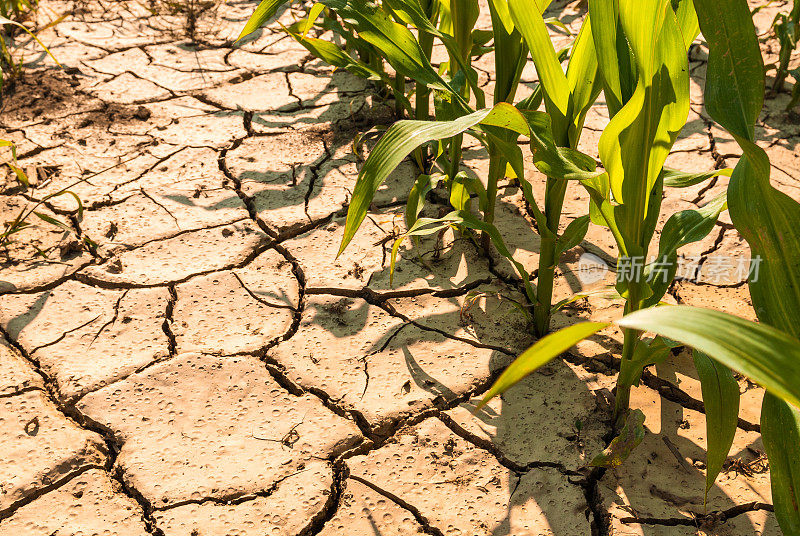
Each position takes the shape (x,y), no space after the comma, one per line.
(591,269)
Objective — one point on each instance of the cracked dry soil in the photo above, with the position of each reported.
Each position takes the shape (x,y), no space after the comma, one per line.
(212,370)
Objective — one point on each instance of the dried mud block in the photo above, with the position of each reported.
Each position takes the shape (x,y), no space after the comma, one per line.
(221,313)
(348,116)
(444,261)
(178,258)
(103,29)
(664,478)
(186,121)
(553,415)
(325,86)
(255,94)
(16,374)
(90,503)
(462,489)
(364,257)
(201,426)
(362,510)
(285,511)
(735,300)
(183,193)
(24,268)
(488,315)
(276,57)
(368,360)
(127,88)
(278,173)
(85,337)
(41,447)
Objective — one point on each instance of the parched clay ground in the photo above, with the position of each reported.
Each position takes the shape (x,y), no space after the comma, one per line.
(211,369)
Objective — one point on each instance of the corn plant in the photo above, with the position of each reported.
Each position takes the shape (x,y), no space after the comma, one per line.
(766,352)
(787,29)
(10,13)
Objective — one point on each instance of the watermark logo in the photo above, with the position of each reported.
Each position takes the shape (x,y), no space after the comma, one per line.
(591,269)
(713,269)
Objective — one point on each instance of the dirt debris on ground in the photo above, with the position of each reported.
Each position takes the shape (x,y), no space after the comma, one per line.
(211,367)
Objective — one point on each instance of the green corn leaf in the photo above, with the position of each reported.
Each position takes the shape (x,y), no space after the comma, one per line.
(681,179)
(687,21)
(764,216)
(511,53)
(313,13)
(421,227)
(265,11)
(416,199)
(637,141)
(681,228)
(405,136)
(764,354)
(546,349)
(631,435)
(644,354)
(613,53)
(531,25)
(396,42)
(459,195)
(411,11)
(721,398)
(780,432)
(584,80)
(52,221)
(555,161)
(573,235)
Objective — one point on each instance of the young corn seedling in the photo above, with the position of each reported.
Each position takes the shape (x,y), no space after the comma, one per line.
(766,352)
(10,13)
(516,28)
(787,29)
(647,87)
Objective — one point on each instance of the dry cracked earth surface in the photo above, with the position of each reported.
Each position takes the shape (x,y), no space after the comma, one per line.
(211,368)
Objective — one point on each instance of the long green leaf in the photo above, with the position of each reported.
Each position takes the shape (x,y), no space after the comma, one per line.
(721,398)
(766,355)
(405,136)
(547,348)
(531,25)
(765,217)
(780,432)
(265,11)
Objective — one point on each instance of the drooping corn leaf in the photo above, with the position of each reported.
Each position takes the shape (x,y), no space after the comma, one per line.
(764,216)
(402,138)
(265,11)
(780,432)
(764,354)
(721,398)
(547,348)
(681,179)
